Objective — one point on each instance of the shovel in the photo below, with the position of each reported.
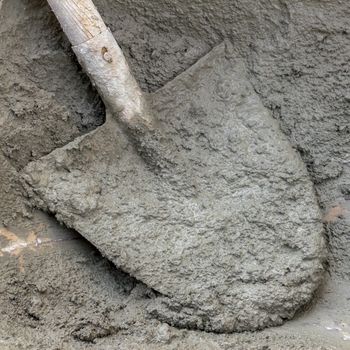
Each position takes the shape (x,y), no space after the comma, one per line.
(193,189)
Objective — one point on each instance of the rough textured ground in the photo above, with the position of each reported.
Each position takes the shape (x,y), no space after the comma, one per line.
(297,57)
(45,305)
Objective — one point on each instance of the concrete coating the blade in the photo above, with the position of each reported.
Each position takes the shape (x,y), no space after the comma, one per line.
(242,249)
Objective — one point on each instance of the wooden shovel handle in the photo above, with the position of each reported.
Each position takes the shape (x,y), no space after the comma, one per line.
(79,19)
(103,60)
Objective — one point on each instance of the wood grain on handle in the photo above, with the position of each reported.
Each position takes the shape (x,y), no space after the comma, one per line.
(79,19)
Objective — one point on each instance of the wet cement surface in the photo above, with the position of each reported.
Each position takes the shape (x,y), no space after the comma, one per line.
(58,292)
(297,59)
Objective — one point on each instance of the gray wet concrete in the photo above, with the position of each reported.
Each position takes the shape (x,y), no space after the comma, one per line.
(297,59)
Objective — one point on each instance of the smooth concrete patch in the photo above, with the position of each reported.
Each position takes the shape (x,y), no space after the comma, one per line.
(234,242)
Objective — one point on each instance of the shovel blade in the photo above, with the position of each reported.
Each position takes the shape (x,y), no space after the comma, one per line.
(243,249)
